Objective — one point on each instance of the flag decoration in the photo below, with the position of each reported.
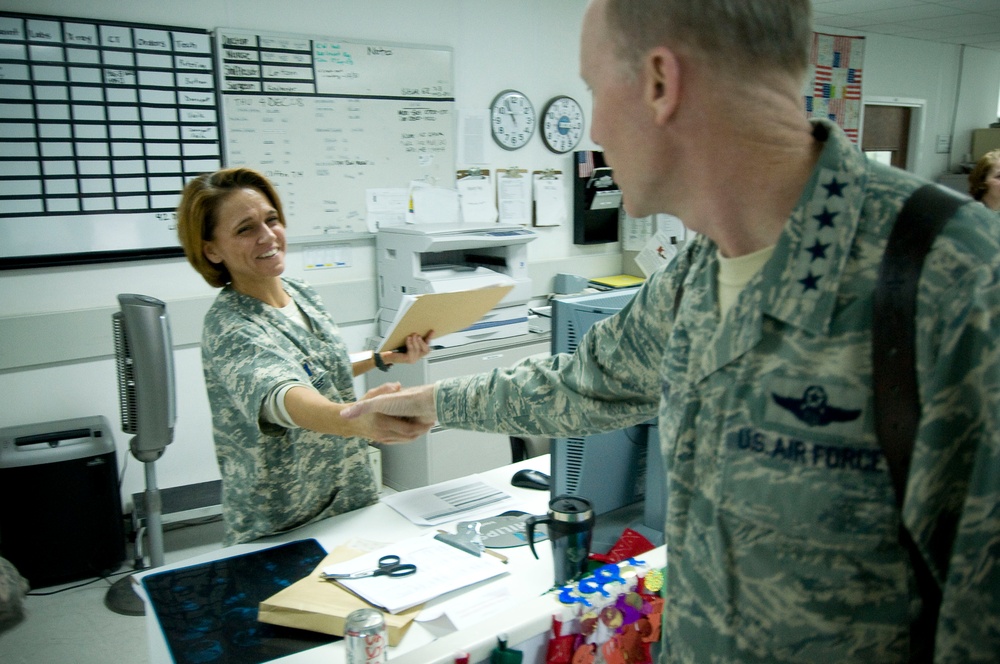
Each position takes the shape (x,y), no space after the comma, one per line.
(833,87)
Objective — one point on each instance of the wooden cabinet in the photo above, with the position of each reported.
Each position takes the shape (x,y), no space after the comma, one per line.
(445,454)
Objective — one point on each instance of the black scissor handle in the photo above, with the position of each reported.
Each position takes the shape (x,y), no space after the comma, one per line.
(402,570)
(390,566)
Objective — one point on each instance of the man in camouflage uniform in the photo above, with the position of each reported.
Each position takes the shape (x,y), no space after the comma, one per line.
(782,529)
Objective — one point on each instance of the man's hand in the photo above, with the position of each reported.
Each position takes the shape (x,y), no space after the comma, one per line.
(383,426)
(415,404)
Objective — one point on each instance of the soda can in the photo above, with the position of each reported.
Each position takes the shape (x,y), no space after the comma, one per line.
(365,638)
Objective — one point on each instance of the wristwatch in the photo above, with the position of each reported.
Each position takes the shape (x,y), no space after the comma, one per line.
(379,362)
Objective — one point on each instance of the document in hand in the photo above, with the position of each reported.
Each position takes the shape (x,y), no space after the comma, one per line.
(441,568)
(442,312)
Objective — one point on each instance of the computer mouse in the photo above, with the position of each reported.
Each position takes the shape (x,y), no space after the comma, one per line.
(530,479)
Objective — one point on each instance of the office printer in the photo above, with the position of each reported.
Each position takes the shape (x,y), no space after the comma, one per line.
(443,258)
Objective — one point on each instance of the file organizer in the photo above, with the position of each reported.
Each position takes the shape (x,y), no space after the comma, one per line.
(596,199)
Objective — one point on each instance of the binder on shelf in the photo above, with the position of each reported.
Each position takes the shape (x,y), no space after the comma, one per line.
(596,199)
(617,281)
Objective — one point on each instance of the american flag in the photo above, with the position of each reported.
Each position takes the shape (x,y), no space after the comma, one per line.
(853,88)
(584,163)
(822,81)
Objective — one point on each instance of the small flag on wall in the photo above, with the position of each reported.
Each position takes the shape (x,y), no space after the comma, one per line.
(833,87)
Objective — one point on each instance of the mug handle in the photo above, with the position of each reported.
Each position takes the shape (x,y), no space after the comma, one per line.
(529,530)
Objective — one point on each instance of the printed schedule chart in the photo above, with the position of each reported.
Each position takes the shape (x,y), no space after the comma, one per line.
(100,127)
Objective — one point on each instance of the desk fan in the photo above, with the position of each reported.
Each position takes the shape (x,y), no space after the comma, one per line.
(145,363)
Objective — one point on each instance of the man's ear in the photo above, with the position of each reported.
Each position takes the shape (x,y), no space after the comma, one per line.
(663,76)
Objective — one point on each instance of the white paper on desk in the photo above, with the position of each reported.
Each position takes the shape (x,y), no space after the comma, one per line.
(464,499)
(441,568)
(466,609)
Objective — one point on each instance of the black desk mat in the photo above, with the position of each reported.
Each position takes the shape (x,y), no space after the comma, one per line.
(208,612)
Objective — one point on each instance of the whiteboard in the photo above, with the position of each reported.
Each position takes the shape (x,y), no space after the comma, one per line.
(101,123)
(326,119)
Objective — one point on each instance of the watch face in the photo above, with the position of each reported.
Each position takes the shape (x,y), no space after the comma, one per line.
(562,124)
(512,119)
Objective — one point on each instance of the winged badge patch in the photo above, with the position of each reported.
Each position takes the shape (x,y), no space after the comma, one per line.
(814,408)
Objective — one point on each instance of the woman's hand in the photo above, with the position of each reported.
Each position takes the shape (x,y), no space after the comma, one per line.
(382,428)
(311,410)
(417,347)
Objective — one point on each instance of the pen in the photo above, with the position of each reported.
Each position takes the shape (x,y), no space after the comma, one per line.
(499,556)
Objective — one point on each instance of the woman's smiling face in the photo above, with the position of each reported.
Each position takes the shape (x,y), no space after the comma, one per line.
(249,239)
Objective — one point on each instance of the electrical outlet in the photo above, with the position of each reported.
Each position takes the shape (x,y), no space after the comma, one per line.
(943,143)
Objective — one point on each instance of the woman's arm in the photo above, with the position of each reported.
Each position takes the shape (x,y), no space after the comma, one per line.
(416,348)
(311,410)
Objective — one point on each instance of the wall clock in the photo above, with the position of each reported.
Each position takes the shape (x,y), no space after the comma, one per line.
(562,124)
(512,119)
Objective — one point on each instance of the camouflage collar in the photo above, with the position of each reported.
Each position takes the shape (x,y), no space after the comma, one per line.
(801,281)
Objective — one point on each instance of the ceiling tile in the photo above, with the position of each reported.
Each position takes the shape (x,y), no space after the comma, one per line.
(974,22)
(856,6)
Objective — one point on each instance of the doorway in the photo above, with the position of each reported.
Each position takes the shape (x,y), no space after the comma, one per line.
(891,131)
(886,134)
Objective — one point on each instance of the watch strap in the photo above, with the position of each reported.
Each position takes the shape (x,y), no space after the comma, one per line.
(379,362)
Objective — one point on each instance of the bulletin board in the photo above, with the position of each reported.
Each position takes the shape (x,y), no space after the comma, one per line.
(326,119)
(100,124)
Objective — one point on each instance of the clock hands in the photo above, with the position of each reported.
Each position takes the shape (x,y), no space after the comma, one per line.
(510,111)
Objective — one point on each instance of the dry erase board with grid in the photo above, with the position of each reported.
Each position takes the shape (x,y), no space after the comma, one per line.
(326,119)
(100,124)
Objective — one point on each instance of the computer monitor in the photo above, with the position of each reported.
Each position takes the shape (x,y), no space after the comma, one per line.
(619,472)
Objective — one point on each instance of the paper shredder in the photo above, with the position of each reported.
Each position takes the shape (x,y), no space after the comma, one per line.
(60,506)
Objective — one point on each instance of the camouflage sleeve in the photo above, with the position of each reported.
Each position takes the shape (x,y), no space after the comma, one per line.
(247,363)
(13,588)
(954,485)
(610,381)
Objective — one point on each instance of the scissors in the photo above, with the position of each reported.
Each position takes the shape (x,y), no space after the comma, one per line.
(387,566)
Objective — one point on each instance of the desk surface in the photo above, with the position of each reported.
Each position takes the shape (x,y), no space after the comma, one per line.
(528,614)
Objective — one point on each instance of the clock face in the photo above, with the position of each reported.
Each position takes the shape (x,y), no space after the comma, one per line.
(562,124)
(512,119)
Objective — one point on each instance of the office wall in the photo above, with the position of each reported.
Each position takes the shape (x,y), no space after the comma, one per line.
(55,350)
(960,86)
(519,44)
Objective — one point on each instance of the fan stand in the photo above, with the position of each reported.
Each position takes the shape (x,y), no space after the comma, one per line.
(121,596)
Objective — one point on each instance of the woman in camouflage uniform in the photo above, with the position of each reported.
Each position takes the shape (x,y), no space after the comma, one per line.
(276,368)
(984,180)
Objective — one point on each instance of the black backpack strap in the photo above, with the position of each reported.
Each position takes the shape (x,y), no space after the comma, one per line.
(894,371)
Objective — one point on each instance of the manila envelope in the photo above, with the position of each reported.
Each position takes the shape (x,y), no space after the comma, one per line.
(322,606)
